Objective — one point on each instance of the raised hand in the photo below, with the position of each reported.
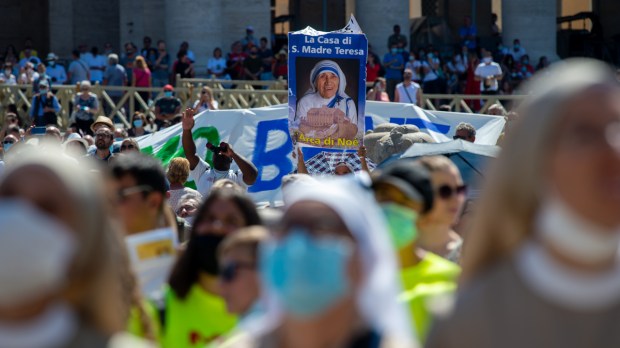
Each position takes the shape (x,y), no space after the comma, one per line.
(188,119)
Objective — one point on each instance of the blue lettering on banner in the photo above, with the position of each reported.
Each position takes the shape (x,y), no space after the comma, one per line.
(278,157)
(422,124)
(369,125)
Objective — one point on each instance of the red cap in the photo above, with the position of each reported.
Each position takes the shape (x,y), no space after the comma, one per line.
(168,88)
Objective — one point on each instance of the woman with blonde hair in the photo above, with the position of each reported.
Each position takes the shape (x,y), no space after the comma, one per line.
(142,77)
(91,300)
(541,265)
(435,227)
(206,101)
(177,174)
(129,145)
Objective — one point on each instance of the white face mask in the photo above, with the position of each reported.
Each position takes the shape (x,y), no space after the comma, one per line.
(35,253)
(573,235)
(189,220)
(487,60)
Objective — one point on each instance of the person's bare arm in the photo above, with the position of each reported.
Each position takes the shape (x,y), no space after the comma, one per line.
(361,152)
(396,96)
(158,114)
(301,165)
(189,147)
(250,173)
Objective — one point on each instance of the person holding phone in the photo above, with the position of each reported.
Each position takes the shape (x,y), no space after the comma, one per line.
(45,106)
(488,73)
(223,155)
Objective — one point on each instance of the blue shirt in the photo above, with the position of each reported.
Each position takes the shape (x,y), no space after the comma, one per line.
(464,32)
(44,100)
(390,71)
(115,75)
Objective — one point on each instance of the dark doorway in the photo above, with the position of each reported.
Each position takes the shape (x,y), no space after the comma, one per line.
(21,19)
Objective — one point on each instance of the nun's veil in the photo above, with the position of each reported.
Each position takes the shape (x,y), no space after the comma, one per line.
(377,301)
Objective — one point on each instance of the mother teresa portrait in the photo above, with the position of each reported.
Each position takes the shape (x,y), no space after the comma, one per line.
(326,110)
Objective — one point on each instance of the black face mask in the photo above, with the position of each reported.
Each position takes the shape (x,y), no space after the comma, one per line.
(204,249)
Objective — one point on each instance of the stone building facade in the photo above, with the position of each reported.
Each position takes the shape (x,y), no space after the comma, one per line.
(61,25)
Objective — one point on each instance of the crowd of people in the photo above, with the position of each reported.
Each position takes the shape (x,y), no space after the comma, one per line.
(468,68)
(151,66)
(398,256)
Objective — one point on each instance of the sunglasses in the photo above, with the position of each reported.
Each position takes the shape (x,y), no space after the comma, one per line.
(229,272)
(6,142)
(103,135)
(458,137)
(447,191)
(127,147)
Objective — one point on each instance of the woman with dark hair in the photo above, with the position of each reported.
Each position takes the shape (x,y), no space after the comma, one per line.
(137,125)
(194,312)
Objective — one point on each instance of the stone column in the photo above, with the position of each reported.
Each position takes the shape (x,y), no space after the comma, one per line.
(255,13)
(533,22)
(200,23)
(61,27)
(377,18)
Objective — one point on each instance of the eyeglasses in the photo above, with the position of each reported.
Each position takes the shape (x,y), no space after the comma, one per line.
(229,272)
(6,142)
(459,137)
(103,135)
(447,191)
(123,193)
(127,147)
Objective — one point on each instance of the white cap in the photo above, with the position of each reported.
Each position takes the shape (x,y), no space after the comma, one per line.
(35,253)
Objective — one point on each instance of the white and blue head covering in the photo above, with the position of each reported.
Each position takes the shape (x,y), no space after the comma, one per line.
(326,66)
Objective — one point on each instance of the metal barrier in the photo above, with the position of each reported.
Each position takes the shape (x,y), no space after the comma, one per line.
(238,94)
(464,102)
(230,94)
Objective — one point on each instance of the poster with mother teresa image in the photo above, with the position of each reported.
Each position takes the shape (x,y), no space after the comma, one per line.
(327,87)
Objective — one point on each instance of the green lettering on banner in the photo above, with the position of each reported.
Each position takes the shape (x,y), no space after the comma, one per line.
(171,148)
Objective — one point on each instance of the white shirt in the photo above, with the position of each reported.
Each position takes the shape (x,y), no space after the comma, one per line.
(429,73)
(8,80)
(204,177)
(204,107)
(217,65)
(97,61)
(407,94)
(517,54)
(485,70)
(415,65)
(314,100)
(57,71)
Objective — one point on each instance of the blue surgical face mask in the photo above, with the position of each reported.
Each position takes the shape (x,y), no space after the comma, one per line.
(138,123)
(7,147)
(308,274)
(401,224)
(394,50)
(168,94)
(118,139)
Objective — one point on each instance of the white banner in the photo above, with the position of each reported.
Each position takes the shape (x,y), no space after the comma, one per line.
(262,136)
